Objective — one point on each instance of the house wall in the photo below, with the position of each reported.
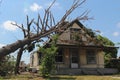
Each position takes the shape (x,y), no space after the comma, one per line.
(64,38)
(99,59)
(67,58)
(82,57)
(76,26)
(82,60)
(34,61)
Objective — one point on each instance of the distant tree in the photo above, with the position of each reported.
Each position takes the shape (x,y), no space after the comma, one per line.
(109,53)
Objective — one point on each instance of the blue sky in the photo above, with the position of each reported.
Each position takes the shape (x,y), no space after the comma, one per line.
(106,14)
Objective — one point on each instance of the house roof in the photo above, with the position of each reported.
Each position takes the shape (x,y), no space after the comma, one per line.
(89,32)
(83,27)
(85,33)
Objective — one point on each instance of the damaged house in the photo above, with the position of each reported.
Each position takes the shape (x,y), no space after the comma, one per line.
(79,52)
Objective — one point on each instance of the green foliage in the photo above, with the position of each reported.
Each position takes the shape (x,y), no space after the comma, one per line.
(48,59)
(76,36)
(7,65)
(105,41)
(54,39)
(114,63)
(90,32)
(109,53)
(107,58)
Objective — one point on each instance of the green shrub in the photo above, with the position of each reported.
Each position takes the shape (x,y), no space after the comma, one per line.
(48,60)
(7,65)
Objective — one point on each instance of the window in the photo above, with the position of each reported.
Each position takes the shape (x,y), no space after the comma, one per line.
(59,56)
(91,57)
(74,55)
(74,34)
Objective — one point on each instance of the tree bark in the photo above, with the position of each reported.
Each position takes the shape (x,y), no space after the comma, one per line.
(6,50)
(18,61)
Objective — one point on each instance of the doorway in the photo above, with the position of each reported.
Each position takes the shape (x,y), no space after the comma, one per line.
(74,57)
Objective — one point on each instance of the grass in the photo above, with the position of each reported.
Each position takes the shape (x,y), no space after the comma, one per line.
(28,76)
(31,76)
(85,77)
(96,78)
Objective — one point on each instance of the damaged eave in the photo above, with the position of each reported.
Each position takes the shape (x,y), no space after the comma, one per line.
(90,46)
(112,47)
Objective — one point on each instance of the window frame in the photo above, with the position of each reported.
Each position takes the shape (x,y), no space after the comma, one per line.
(60,54)
(91,57)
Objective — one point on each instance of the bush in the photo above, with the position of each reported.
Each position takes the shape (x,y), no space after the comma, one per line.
(114,63)
(7,65)
(48,60)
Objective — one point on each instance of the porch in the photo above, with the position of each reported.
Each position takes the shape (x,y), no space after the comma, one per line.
(76,57)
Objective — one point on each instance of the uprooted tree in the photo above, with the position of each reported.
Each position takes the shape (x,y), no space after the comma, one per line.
(34,31)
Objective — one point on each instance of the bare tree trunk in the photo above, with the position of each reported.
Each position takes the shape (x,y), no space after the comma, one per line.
(13,47)
(6,50)
(18,61)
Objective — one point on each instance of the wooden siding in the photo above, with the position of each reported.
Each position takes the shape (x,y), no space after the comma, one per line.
(35,59)
(66,57)
(82,57)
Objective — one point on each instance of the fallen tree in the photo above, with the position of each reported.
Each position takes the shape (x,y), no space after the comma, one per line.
(36,30)
(43,28)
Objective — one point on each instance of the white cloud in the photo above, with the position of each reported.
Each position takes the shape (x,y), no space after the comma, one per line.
(116,34)
(1,45)
(35,7)
(8,25)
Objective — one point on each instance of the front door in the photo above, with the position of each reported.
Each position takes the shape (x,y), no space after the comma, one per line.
(74,57)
